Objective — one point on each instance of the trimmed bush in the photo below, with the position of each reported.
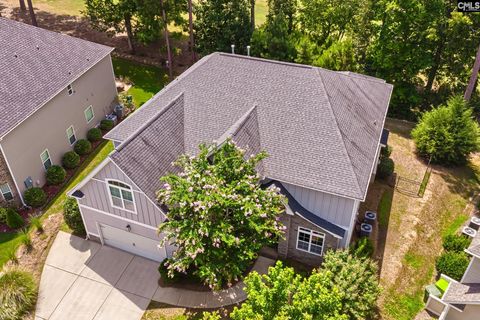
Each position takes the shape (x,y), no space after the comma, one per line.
(456,242)
(35,197)
(106,124)
(56,175)
(162,269)
(94,134)
(13,219)
(83,147)
(17,294)
(3,215)
(385,152)
(71,160)
(72,216)
(385,168)
(363,248)
(37,224)
(453,264)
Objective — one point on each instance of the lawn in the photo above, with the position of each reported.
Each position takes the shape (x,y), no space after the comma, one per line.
(411,228)
(147,80)
(9,242)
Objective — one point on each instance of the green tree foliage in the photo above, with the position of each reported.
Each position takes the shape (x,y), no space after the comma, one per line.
(448,134)
(456,242)
(17,294)
(356,278)
(276,38)
(282,294)
(72,216)
(218,215)
(13,219)
(221,23)
(453,264)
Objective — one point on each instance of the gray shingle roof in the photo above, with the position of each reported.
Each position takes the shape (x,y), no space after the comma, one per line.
(35,65)
(462,293)
(319,127)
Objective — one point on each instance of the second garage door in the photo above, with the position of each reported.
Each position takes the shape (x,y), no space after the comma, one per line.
(133,243)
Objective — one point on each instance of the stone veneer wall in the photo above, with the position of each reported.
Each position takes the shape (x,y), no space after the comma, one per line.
(287,248)
(6,177)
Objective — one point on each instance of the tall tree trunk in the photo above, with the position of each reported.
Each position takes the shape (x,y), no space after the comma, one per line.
(128,27)
(252,13)
(473,77)
(23,8)
(167,41)
(33,18)
(432,73)
(190,29)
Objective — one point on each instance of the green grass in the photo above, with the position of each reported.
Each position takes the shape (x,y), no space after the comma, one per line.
(261,10)
(454,225)
(61,7)
(147,80)
(384,207)
(9,242)
(424,183)
(414,260)
(405,306)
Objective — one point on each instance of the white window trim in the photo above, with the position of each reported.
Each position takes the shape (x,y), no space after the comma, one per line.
(85,113)
(74,134)
(49,157)
(10,191)
(312,233)
(129,190)
(70,89)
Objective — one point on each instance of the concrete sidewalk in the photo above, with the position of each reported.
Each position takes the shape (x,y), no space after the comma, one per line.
(82,280)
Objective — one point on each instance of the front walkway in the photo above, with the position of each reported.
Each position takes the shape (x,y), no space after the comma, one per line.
(82,280)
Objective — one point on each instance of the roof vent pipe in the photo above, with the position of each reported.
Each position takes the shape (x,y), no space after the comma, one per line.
(248,51)
(233,49)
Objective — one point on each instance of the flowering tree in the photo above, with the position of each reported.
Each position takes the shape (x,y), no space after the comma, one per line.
(218,216)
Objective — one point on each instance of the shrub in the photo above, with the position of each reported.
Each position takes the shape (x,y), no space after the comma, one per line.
(106,124)
(3,215)
(71,160)
(35,197)
(17,294)
(385,152)
(453,264)
(385,168)
(94,134)
(37,224)
(363,248)
(56,175)
(26,239)
(83,147)
(163,270)
(448,134)
(456,242)
(14,220)
(72,216)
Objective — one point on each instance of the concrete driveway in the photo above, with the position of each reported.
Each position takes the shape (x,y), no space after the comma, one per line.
(83,280)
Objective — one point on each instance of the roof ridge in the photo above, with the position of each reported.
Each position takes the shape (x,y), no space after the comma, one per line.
(236,126)
(164,89)
(239,56)
(150,121)
(337,129)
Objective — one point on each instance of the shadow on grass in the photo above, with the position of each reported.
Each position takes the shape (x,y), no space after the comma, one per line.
(383,210)
(162,311)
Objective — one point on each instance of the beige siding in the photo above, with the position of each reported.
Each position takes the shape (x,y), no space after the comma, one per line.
(46,129)
(97,196)
(332,208)
(472,275)
(471,312)
(435,305)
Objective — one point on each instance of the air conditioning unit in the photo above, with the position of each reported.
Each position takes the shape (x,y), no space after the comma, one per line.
(474,223)
(365,230)
(370,217)
(469,232)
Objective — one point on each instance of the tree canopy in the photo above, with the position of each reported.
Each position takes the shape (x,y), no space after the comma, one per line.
(448,134)
(218,216)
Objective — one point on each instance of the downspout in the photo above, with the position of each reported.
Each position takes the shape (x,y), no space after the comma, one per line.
(11,174)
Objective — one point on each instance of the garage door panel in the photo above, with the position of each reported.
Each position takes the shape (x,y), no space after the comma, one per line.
(132,243)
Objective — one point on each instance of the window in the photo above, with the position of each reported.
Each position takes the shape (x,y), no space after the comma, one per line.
(89,115)
(70,89)
(71,135)
(121,195)
(45,156)
(310,241)
(6,192)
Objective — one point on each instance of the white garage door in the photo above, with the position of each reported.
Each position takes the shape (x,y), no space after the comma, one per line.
(133,243)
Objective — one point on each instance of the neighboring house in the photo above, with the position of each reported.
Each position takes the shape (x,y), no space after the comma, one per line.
(461,300)
(321,129)
(53,89)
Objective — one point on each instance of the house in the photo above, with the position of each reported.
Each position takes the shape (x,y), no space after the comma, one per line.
(321,129)
(461,299)
(53,89)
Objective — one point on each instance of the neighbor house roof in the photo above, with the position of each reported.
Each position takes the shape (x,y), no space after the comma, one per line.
(36,64)
(462,293)
(320,128)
